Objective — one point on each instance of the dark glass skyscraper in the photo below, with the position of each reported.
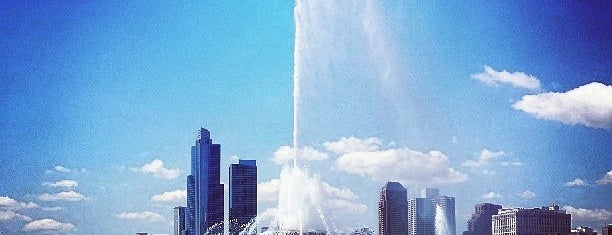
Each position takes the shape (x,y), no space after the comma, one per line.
(480,222)
(242,195)
(179,220)
(204,188)
(393,210)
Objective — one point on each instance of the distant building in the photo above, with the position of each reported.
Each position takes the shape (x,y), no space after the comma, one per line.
(393,210)
(242,195)
(535,221)
(179,220)
(606,230)
(422,213)
(142,233)
(204,188)
(363,231)
(583,230)
(480,222)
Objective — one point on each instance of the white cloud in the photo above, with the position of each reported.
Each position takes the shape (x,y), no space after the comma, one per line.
(62,183)
(576,182)
(156,167)
(527,194)
(173,196)
(62,169)
(268,191)
(587,214)
(352,144)
(143,216)
(512,163)
(48,225)
(7,203)
(9,215)
(55,208)
(589,105)
(403,164)
(483,158)
(285,154)
(606,179)
(62,196)
(491,195)
(516,79)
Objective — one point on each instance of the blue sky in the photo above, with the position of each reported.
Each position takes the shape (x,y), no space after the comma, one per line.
(91,94)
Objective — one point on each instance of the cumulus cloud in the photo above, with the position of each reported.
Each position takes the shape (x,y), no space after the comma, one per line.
(517,79)
(527,194)
(491,195)
(268,191)
(156,167)
(71,196)
(146,216)
(606,179)
(483,158)
(589,105)
(48,225)
(589,214)
(9,215)
(352,144)
(576,182)
(7,203)
(402,164)
(62,169)
(285,154)
(172,196)
(62,183)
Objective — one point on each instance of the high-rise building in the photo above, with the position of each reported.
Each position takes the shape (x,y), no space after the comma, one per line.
(535,221)
(393,210)
(179,220)
(205,208)
(242,195)
(480,222)
(445,207)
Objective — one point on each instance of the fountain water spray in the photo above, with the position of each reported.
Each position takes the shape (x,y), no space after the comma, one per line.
(442,227)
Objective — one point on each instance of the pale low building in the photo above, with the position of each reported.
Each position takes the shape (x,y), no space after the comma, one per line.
(583,230)
(535,221)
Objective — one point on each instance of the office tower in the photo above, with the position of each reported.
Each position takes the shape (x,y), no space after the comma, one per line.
(242,195)
(447,206)
(393,210)
(535,221)
(422,213)
(204,188)
(480,222)
(179,220)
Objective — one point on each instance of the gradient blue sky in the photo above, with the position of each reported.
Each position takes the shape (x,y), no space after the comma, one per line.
(102,89)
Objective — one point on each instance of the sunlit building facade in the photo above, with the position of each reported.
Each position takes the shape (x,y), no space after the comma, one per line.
(536,221)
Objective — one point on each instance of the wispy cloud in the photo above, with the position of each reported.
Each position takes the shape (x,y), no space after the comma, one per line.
(589,214)
(62,196)
(491,195)
(172,196)
(62,183)
(156,167)
(606,179)
(517,79)
(576,182)
(9,215)
(48,225)
(527,194)
(589,105)
(483,158)
(146,216)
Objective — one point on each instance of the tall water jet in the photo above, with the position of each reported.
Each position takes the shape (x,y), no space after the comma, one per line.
(442,227)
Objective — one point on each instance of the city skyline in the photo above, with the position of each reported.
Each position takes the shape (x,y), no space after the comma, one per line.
(500,102)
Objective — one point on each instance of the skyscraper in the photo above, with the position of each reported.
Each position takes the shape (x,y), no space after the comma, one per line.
(205,209)
(422,213)
(179,220)
(393,210)
(242,195)
(480,222)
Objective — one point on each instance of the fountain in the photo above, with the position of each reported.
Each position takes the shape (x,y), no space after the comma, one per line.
(442,227)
